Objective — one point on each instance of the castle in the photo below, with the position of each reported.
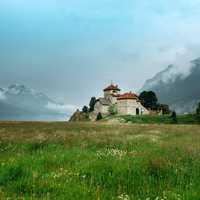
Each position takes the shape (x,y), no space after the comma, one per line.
(126,104)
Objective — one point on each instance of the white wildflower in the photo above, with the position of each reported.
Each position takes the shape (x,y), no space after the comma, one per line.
(112,153)
(123,197)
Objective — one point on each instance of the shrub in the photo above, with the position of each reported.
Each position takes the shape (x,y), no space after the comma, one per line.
(174,117)
(112,109)
(85,109)
(165,108)
(198,109)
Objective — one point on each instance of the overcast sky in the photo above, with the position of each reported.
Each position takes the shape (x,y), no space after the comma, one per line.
(72,49)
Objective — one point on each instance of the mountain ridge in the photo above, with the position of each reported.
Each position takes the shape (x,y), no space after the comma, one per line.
(18,101)
(180,91)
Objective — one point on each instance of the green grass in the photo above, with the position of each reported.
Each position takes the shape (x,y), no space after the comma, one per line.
(99,161)
(165,119)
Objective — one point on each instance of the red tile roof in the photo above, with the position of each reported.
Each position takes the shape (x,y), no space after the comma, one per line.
(112,87)
(115,95)
(129,95)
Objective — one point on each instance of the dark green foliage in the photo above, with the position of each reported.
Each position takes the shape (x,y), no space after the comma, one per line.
(85,109)
(9,174)
(99,117)
(92,104)
(198,109)
(149,99)
(157,119)
(174,117)
(164,108)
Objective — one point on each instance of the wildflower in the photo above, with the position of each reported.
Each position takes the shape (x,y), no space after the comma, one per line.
(84,176)
(112,152)
(123,197)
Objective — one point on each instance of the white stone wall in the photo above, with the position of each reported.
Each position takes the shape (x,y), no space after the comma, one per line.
(113,100)
(99,108)
(130,106)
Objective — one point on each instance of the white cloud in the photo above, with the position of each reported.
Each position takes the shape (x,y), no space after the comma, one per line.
(61,108)
(2,96)
(180,57)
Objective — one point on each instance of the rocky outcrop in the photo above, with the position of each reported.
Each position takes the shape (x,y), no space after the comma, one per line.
(79,116)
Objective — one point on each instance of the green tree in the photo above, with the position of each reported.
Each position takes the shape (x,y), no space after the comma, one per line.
(174,117)
(85,109)
(99,117)
(149,99)
(92,104)
(112,109)
(198,109)
(164,108)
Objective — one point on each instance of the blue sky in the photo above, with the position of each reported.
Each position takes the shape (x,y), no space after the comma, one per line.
(71,49)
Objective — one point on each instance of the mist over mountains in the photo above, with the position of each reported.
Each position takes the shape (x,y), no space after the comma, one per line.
(18,102)
(178,89)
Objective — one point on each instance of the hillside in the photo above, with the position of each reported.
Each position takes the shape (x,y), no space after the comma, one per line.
(178,90)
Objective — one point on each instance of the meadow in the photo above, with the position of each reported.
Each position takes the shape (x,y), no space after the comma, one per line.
(156,119)
(94,161)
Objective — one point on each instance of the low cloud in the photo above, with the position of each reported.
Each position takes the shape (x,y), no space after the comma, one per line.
(61,108)
(181,58)
(2,96)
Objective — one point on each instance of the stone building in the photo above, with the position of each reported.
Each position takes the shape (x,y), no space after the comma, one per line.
(129,104)
(126,104)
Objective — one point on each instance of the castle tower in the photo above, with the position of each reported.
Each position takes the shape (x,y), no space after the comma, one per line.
(111,93)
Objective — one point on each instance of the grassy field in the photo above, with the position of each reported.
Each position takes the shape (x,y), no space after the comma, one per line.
(99,161)
(156,119)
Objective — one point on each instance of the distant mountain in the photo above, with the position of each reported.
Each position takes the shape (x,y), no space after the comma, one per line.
(18,102)
(180,91)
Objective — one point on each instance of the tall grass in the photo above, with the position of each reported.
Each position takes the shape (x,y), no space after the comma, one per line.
(163,119)
(99,161)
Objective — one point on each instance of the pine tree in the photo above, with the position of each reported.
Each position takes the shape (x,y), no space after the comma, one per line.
(92,104)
